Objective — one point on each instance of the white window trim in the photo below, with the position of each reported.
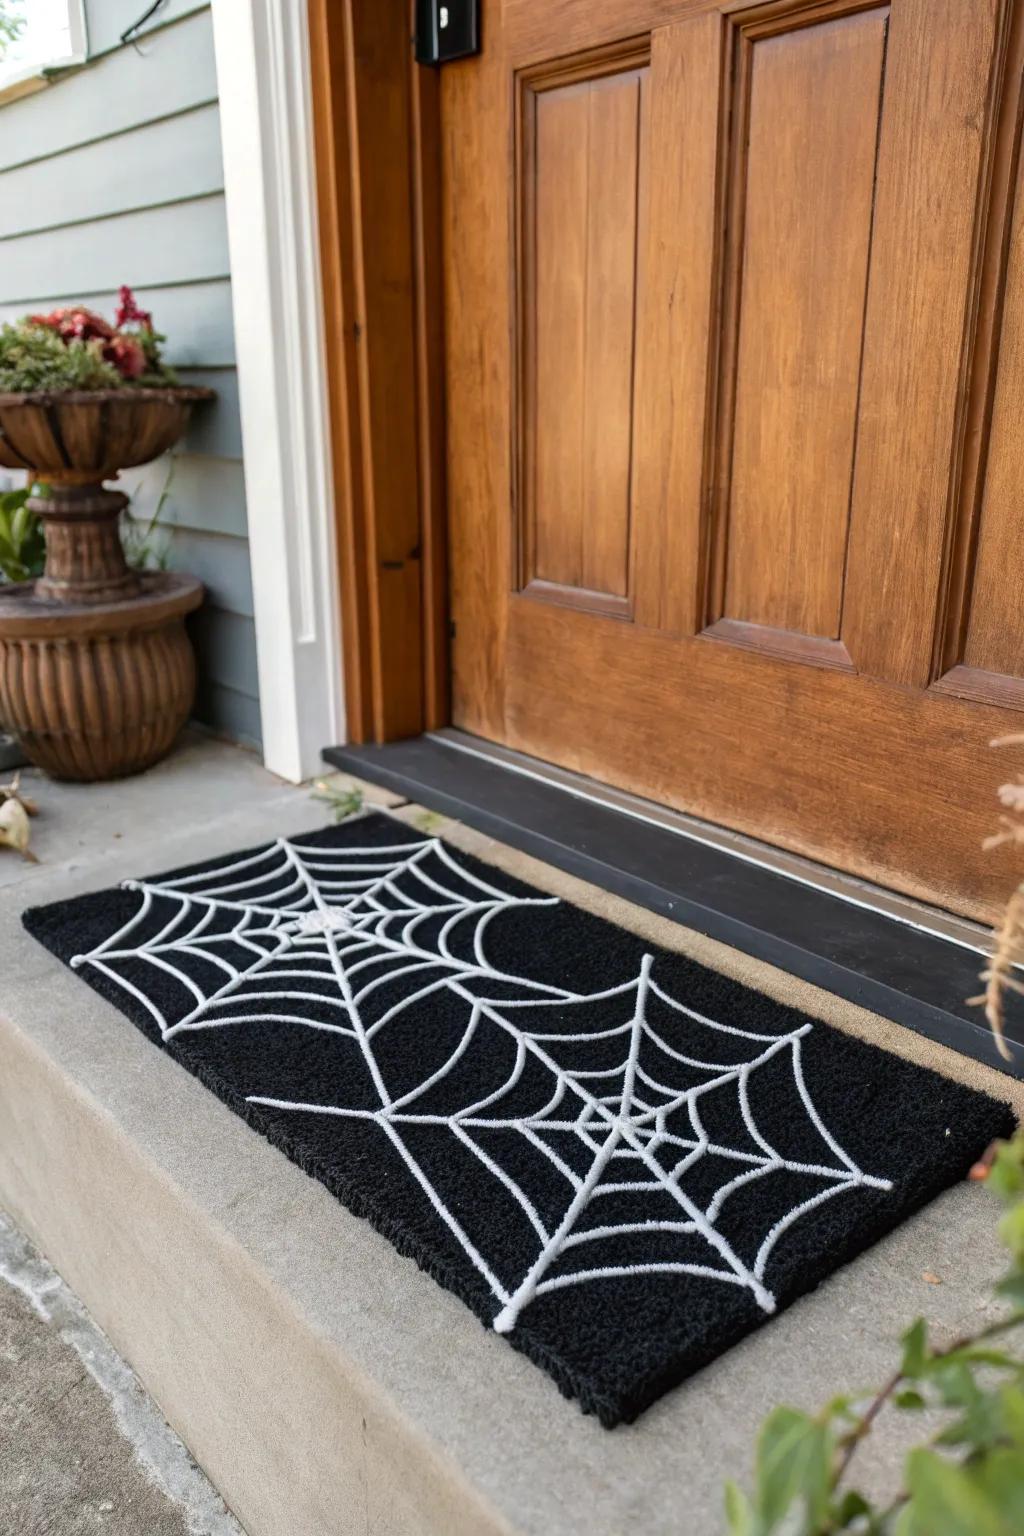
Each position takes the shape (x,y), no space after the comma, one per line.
(263,73)
(33,76)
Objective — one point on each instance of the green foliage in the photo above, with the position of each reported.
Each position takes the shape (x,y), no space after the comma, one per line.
(429,822)
(12,24)
(342,802)
(967,1479)
(73,347)
(22,547)
(146,542)
(794,1456)
(158,374)
(32,357)
(23,542)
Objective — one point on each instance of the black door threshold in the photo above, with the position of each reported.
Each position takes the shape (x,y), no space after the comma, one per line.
(886,965)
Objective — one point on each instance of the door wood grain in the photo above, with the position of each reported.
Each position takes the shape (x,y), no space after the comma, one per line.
(735,347)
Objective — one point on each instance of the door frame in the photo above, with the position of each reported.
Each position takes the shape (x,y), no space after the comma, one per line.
(262,57)
(376,128)
(330,143)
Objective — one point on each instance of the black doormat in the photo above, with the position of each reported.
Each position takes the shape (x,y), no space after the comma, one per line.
(621,1160)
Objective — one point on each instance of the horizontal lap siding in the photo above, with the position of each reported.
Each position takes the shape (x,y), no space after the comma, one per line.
(162,245)
(171,71)
(113,174)
(108,19)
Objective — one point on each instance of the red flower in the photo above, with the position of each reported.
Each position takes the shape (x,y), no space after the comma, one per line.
(132,353)
(128,311)
(127,356)
(74,323)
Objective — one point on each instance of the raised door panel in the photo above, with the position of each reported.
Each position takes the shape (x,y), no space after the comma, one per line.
(993,648)
(808,301)
(935,136)
(580,168)
(765,127)
(804,167)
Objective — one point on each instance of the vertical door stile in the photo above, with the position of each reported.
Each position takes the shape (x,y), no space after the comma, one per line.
(934,130)
(677,284)
(476,101)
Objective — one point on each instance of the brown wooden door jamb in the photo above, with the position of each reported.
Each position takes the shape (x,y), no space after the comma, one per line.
(377,141)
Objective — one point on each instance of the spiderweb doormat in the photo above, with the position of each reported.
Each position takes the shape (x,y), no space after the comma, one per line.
(618,1159)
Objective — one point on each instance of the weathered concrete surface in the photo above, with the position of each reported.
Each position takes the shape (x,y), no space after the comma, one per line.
(322,1381)
(83,1448)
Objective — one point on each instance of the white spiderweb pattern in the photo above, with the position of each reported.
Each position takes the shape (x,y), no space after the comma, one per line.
(610,1089)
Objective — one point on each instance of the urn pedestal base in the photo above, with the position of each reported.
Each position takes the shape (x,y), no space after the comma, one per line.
(97,674)
(97,690)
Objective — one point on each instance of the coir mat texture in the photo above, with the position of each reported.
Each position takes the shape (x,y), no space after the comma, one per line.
(617,1158)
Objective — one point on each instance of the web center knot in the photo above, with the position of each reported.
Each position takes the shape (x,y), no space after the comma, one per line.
(323,920)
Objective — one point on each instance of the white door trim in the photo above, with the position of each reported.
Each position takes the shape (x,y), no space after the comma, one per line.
(263,74)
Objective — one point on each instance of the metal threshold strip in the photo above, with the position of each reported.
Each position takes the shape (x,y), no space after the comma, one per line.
(899,958)
(859,893)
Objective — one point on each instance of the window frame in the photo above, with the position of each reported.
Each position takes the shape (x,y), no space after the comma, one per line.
(34,74)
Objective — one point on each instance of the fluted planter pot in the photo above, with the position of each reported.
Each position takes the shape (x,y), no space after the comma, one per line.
(97,674)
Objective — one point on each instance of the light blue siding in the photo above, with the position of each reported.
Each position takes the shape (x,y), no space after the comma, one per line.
(232,714)
(215,429)
(171,70)
(183,242)
(211,489)
(220,562)
(227,639)
(109,18)
(112,175)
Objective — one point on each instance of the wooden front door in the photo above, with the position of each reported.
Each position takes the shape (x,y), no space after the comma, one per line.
(735,352)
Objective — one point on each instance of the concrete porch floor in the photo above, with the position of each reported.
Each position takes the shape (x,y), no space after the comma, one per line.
(323,1383)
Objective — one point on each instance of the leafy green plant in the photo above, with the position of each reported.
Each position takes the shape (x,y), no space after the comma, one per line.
(341,802)
(966,1479)
(32,357)
(146,542)
(429,822)
(12,24)
(75,348)
(22,546)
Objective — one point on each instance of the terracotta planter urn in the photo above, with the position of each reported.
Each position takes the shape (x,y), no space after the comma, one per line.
(97,674)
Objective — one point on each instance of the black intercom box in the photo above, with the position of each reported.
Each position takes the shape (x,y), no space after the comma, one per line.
(446,29)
